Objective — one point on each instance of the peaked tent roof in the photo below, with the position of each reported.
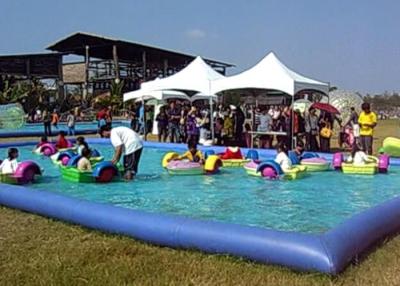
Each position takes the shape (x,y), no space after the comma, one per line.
(270,73)
(157,94)
(194,78)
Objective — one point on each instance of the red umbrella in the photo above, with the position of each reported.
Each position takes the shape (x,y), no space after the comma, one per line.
(325,107)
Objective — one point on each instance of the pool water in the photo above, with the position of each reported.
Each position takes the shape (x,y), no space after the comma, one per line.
(312,205)
(36,127)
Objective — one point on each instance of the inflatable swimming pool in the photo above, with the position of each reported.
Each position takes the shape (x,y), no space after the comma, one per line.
(299,203)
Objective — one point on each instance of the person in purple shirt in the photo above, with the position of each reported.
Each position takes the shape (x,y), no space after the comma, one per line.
(192,128)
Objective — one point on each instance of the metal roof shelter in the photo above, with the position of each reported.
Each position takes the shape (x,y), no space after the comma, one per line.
(41,66)
(103,48)
(107,59)
(33,66)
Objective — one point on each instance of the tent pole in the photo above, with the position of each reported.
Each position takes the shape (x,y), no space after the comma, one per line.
(292,139)
(144,119)
(212,120)
(211,113)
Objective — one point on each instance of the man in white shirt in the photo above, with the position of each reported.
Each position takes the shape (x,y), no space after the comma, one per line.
(128,142)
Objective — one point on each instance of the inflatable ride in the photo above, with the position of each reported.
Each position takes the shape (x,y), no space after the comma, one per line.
(103,172)
(185,167)
(377,165)
(232,157)
(27,172)
(50,149)
(62,158)
(12,116)
(311,160)
(391,146)
(271,170)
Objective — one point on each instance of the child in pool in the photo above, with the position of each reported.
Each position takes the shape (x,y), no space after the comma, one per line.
(43,140)
(299,150)
(62,142)
(282,158)
(80,141)
(84,163)
(358,157)
(193,155)
(9,165)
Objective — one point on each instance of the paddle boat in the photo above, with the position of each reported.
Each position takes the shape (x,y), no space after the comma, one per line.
(271,170)
(311,160)
(378,165)
(62,158)
(26,172)
(50,149)
(103,172)
(232,157)
(185,167)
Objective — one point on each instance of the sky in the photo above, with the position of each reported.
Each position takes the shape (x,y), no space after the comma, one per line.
(354,45)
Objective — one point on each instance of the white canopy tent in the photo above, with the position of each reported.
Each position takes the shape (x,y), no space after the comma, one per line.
(271,74)
(154,94)
(160,97)
(196,78)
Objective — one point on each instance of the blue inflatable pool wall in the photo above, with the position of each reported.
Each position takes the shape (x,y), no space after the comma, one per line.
(329,252)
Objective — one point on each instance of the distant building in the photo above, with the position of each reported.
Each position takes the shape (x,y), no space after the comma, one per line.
(104,60)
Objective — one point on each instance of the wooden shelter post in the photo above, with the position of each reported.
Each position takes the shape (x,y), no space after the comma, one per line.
(86,84)
(116,63)
(144,65)
(60,82)
(28,69)
(165,67)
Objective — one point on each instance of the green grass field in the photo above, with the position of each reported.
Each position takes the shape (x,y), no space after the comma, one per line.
(40,251)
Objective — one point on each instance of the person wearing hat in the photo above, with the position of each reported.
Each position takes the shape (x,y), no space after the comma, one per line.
(367,121)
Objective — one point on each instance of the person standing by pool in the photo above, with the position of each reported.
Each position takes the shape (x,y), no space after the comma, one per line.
(101,118)
(55,118)
(367,121)
(109,115)
(71,123)
(353,122)
(311,128)
(174,115)
(126,142)
(162,123)
(47,123)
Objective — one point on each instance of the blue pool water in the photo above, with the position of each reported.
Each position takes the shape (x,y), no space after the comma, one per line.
(38,127)
(313,204)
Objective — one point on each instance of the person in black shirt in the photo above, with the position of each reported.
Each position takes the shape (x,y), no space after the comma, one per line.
(174,115)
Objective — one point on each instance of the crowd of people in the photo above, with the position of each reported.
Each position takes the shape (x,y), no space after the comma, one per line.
(235,125)
(181,122)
